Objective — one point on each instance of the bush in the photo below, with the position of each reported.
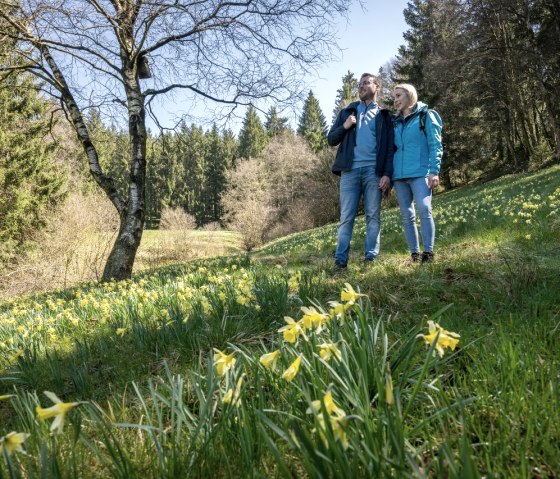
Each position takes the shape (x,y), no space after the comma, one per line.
(72,248)
(213,226)
(290,189)
(176,219)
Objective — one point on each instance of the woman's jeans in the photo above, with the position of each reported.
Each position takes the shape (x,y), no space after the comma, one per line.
(354,184)
(417,190)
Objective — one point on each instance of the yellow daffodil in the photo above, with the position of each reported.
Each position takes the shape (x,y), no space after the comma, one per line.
(291,331)
(328,351)
(330,406)
(337,419)
(348,294)
(338,309)
(13,441)
(234,397)
(337,425)
(389,398)
(269,360)
(58,411)
(223,361)
(121,331)
(290,373)
(445,339)
(313,318)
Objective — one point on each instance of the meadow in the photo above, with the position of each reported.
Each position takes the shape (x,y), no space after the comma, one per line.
(270,364)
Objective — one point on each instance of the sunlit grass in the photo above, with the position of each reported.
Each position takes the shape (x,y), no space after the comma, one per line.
(344,388)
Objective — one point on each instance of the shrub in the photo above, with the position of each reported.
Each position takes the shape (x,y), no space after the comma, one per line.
(72,248)
(176,219)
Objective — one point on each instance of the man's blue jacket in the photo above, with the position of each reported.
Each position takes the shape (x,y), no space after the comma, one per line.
(385,149)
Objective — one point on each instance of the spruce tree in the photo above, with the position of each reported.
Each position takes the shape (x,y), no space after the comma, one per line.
(275,124)
(219,160)
(252,138)
(30,181)
(312,125)
(346,94)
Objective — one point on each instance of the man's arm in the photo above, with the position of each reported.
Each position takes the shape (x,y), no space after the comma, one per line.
(338,130)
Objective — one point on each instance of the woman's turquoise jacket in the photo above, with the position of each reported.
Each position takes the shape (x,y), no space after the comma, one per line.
(418,151)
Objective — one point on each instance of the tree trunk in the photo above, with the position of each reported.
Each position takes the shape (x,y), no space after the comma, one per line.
(121,259)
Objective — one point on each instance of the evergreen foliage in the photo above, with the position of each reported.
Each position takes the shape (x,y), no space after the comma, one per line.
(489,70)
(275,124)
(252,137)
(346,94)
(312,124)
(30,181)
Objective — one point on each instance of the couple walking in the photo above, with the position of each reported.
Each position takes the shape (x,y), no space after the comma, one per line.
(376,149)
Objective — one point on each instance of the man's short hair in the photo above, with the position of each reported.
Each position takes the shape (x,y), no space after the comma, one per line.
(376,80)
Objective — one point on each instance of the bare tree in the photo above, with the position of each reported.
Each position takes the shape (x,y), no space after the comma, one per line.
(95,52)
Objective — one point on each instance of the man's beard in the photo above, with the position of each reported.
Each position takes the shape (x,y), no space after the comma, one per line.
(366,96)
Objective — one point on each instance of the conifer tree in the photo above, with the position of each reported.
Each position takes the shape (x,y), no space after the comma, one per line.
(30,182)
(252,138)
(275,124)
(220,158)
(312,125)
(346,94)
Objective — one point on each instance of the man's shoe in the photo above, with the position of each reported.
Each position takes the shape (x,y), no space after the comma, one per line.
(340,265)
(369,259)
(415,257)
(427,257)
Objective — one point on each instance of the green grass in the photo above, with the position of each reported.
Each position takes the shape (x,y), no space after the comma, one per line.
(139,356)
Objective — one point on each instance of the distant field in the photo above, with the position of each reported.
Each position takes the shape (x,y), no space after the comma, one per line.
(161,247)
(80,256)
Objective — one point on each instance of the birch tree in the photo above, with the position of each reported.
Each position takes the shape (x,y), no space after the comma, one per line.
(96,53)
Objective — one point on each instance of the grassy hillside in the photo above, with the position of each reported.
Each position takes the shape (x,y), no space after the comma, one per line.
(164,375)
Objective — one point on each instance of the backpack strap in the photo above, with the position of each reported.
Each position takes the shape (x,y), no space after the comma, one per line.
(422,120)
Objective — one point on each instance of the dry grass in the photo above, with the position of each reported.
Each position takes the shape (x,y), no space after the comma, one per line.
(76,243)
(159,248)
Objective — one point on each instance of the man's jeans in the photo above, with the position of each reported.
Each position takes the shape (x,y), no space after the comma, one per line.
(416,189)
(354,184)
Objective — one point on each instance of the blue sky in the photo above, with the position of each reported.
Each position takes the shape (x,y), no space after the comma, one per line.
(370,39)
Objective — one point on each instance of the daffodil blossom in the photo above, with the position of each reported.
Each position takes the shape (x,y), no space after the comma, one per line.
(328,351)
(121,331)
(290,373)
(338,309)
(269,360)
(337,419)
(330,406)
(12,442)
(58,411)
(311,317)
(291,331)
(337,424)
(223,361)
(389,397)
(445,339)
(348,294)
(234,397)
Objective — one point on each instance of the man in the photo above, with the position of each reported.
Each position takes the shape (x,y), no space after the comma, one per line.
(364,160)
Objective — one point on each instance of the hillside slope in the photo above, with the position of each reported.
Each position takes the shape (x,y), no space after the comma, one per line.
(159,402)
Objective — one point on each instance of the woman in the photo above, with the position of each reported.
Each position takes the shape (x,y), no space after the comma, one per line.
(417,162)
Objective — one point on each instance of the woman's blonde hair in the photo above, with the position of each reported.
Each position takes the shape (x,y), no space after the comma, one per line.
(411,92)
